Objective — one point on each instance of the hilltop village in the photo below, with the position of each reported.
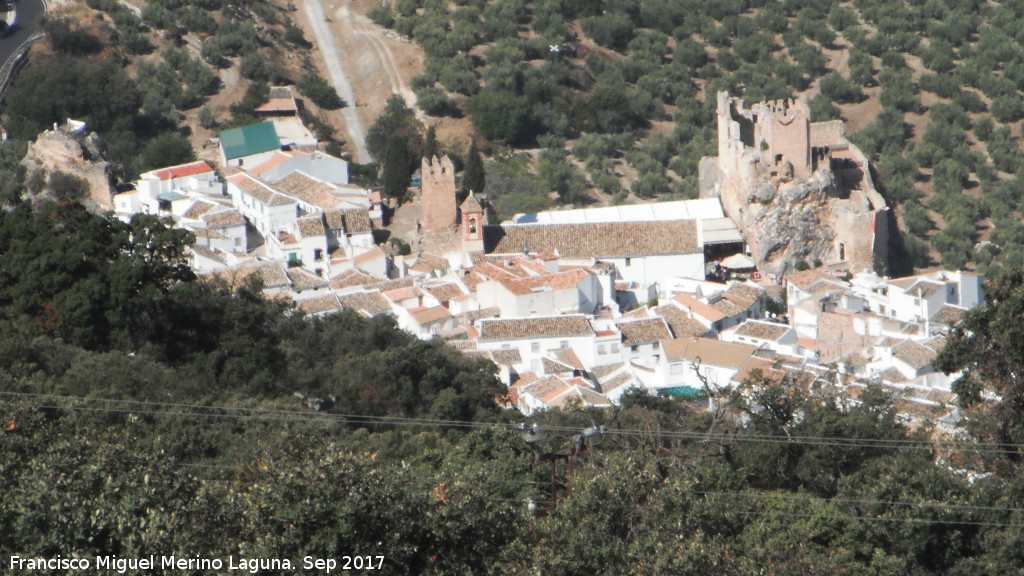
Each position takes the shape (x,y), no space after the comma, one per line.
(781,267)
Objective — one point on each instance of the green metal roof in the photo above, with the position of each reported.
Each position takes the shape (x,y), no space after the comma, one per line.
(684,392)
(249,140)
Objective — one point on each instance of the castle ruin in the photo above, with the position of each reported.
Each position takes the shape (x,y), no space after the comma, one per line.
(438,185)
(797,189)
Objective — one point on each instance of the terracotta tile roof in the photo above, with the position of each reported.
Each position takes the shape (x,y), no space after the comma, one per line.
(708,351)
(182,170)
(578,394)
(308,189)
(546,327)
(392,284)
(915,355)
(367,303)
(207,253)
(370,255)
(432,261)
(279,157)
(948,314)
(679,322)
(762,330)
(767,367)
(311,226)
(595,239)
(352,278)
(271,273)
(474,315)
(706,311)
(743,295)
(552,366)
(471,204)
(286,238)
(804,280)
(403,293)
(196,210)
(278,105)
(305,280)
(209,234)
(545,389)
(445,292)
(644,331)
(259,190)
(351,220)
(319,305)
(568,357)
(224,219)
(426,315)
(893,375)
(728,308)
(506,357)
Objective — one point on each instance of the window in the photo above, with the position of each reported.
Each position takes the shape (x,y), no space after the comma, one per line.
(628,261)
(318,254)
(535,347)
(601,349)
(615,348)
(472,225)
(563,344)
(676,369)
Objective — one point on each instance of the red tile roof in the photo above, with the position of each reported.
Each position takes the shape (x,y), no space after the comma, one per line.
(182,170)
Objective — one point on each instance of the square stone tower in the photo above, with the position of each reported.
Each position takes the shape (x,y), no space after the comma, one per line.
(437,179)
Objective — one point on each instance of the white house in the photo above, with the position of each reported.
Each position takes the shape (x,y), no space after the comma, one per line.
(157,190)
(535,337)
(641,338)
(516,296)
(319,165)
(685,361)
(762,334)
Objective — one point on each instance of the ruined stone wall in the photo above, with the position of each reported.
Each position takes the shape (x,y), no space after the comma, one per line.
(437,179)
(785,128)
(831,134)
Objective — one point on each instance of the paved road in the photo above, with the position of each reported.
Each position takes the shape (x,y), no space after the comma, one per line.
(29,13)
(329,48)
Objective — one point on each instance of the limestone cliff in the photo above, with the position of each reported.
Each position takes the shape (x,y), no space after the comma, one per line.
(70,150)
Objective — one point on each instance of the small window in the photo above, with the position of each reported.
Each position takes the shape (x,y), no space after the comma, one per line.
(676,368)
(318,254)
(472,225)
(601,349)
(615,348)
(535,347)
(563,344)
(628,261)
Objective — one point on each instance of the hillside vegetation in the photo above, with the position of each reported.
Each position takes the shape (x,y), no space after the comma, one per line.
(618,96)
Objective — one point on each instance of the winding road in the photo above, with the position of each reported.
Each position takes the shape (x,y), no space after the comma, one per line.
(30,13)
(325,40)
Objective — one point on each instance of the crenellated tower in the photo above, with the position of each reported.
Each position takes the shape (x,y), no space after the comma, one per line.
(437,179)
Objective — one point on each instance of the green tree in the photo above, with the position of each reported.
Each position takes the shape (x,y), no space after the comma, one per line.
(320,92)
(473,177)
(986,347)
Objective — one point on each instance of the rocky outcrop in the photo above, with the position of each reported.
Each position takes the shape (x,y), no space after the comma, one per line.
(799,191)
(783,222)
(69,149)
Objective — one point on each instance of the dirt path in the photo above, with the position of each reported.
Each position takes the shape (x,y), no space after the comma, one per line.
(326,40)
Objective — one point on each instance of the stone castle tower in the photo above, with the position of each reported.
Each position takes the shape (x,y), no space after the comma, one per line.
(774,135)
(437,179)
(474,217)
(799,190)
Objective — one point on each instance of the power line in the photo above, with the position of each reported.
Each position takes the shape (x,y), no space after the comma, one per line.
(279,415)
